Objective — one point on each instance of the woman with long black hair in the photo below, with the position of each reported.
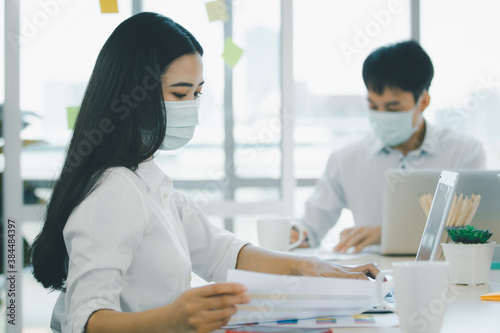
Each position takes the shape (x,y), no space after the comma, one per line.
(118,240)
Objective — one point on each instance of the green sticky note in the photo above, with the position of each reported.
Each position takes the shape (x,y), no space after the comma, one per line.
(109,6)
(232,53)
(216,10)
(72,112)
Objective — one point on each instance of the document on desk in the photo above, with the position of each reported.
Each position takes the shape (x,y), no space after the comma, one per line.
(283,297)
(328,254)
(362,320)
(325,254)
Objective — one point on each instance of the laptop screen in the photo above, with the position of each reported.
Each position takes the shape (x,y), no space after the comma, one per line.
(438,214)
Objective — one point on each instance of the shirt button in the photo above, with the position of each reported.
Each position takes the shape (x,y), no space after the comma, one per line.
(165,195)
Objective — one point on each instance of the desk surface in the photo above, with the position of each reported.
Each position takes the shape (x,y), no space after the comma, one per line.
(467,313)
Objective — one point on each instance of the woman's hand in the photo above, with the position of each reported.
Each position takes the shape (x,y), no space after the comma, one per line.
(198,310)
(256,259)
(206,308)
(313,266)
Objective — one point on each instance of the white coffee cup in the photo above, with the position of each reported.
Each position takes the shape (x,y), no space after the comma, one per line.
(420,293)
(274,233)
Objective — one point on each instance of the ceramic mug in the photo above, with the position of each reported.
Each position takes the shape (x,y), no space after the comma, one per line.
(274,233)
(421,294)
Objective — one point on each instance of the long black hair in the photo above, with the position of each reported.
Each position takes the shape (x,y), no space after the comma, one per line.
(123,98)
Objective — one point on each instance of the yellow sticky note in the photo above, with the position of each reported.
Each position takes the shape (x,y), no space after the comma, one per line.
(109,6)
(72,112)
(232,53)
(491,296)
(216,10)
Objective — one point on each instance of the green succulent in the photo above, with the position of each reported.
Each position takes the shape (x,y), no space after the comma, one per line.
(469,235)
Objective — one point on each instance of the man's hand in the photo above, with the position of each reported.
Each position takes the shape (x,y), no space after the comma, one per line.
(294,236)
(359,237)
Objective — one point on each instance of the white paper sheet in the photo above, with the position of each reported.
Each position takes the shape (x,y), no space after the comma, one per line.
(279,297)
(328,254)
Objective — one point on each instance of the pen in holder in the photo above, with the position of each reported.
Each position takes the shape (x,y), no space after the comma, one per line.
(461,212)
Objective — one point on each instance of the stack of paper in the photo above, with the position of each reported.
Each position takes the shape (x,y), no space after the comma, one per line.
(260,329)
(320,325)
(281,297)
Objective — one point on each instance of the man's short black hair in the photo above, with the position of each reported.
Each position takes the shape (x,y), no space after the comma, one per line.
(403,65)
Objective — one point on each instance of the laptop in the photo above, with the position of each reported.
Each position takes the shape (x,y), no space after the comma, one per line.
(434,226)
(404,219)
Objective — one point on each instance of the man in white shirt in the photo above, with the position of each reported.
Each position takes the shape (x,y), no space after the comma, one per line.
(397,78)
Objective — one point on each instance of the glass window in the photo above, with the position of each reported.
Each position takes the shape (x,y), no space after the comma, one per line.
(59,46)
(331,41)
(203,157)
(257,93)
(253,143)
(465,53)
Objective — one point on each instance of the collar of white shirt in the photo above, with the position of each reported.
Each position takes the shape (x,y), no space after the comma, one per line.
(152,175)
(429,146)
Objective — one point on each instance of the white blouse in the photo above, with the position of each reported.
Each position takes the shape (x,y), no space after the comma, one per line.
(132,245)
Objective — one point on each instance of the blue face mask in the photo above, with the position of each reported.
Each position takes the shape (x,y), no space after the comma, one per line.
(182,118)
(394,128)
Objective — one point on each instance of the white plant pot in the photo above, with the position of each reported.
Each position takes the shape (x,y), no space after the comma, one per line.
(469,263)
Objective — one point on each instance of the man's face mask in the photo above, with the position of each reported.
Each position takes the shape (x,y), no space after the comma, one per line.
(395,127)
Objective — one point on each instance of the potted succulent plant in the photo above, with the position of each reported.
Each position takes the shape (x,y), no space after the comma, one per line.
(469,255)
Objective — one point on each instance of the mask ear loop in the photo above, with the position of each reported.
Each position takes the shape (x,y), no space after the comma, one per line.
(415,109)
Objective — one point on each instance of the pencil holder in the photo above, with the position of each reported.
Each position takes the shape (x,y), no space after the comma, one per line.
(461,213)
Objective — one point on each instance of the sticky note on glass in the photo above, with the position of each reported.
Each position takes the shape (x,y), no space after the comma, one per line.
(72,112)
(109,6)
(232,53)
(491,296)
(216,10)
